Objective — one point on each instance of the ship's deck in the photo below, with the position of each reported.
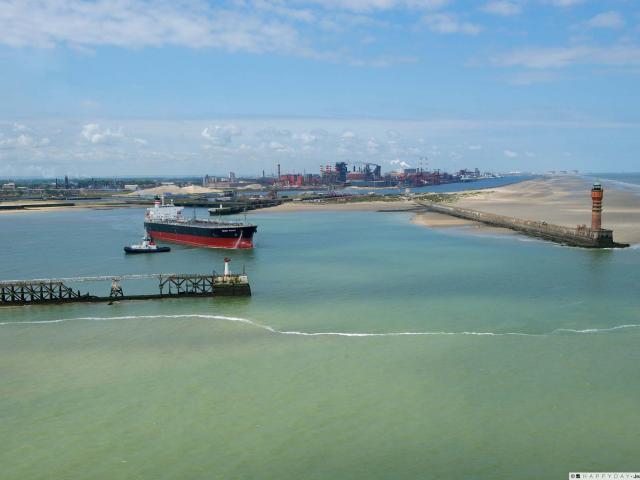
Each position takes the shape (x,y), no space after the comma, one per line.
(201,223)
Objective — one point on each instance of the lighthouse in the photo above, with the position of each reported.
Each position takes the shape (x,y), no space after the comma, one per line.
(596,207)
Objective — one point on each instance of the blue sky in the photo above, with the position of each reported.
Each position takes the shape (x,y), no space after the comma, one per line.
(113,87)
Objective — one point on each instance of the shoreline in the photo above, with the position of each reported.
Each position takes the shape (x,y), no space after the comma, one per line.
(557,200)
(43,206)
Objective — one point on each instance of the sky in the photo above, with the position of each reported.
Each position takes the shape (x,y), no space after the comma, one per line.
(193,87)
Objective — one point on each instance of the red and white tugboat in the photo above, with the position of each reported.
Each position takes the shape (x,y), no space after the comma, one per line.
(166,223)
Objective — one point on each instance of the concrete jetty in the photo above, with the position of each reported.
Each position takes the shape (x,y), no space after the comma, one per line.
(579,236)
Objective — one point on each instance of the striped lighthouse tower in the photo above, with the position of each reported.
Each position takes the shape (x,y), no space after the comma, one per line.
(596,207)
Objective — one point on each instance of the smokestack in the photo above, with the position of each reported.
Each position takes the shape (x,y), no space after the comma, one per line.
(278,171)
(226,267)
(596,206)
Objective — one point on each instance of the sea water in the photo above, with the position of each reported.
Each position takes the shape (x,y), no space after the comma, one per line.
(371,348)
(624,181)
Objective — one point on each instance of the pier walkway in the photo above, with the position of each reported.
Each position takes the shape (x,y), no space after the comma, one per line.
(170,285)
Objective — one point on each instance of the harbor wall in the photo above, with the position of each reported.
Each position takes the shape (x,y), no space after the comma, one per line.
(580,236)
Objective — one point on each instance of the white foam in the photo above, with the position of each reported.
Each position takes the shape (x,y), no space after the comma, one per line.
(596,330)
(260,325)
(400,334)
(135,317)
(320,334)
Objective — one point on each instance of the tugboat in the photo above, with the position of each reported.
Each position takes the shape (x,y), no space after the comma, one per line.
(147,246)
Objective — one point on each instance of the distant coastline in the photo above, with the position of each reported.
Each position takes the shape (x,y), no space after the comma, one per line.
(562,200)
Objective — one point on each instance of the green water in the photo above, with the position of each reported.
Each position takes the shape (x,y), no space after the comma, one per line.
(517,359)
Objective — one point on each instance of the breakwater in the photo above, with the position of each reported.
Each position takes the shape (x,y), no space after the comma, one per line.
(579,236)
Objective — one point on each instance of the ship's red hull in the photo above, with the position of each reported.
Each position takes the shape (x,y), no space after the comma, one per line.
(200,241)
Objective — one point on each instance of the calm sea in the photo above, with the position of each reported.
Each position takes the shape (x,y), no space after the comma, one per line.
(372,348)
(448,187)
(620,180)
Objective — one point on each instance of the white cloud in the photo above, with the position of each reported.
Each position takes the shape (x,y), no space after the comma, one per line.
(312,137)
(299,14)
(449,23)
(93,133)
(307,138)
(565,3)
(474,147)
(177,145)
(393,134)
(221,135)
(193,24)
(254,26)
(372,145)
(348,135)
(558,57)
(279,147)
(372,5)
(504,8)
(272,132)
(23,141)
(382,61)
(610,19)
(510,153)
(530,77)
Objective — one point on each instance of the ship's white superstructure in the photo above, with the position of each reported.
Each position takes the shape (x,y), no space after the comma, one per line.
(162,213)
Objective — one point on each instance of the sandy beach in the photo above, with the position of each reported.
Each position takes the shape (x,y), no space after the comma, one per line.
(559,200)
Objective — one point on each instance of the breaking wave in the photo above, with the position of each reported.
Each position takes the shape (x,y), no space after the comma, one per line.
(322,334)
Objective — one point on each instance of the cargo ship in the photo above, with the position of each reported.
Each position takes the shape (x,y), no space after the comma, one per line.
(166,223)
